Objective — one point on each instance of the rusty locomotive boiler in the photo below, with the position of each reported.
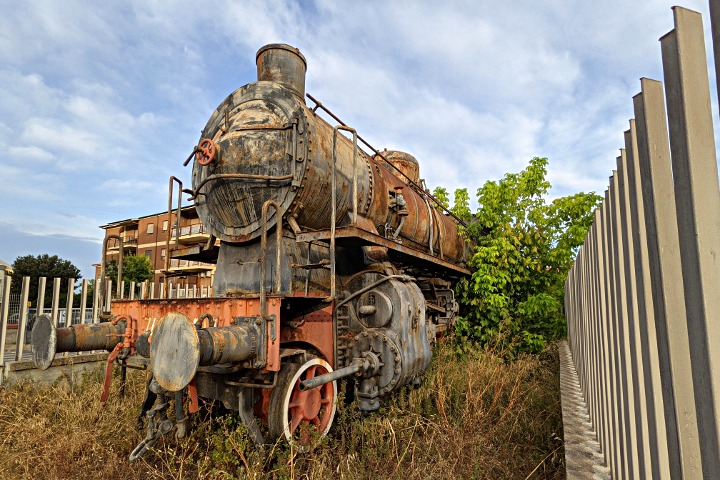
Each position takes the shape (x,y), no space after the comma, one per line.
(332,264)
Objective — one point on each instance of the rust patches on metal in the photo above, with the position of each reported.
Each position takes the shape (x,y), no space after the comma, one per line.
(356,236)
(174,352)
(315,329)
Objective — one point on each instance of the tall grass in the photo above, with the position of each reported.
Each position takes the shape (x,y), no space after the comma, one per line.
(475,416)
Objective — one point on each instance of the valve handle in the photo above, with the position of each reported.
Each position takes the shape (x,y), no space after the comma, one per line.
(206,151)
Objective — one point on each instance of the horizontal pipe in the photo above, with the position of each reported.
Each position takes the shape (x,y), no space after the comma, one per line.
(358,365)
(88,337)
(178,348)
(229,344)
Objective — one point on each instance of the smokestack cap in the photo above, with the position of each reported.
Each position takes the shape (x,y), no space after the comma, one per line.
(282,64)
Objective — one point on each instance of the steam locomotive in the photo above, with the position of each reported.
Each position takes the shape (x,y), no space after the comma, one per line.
(333,263)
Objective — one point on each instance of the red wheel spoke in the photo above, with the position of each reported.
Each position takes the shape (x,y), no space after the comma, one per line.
(315,421)
(296,419)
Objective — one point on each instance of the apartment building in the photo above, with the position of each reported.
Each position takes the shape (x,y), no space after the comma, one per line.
(176,253)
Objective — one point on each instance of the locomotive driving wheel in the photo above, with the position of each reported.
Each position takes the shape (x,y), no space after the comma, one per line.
(302,417)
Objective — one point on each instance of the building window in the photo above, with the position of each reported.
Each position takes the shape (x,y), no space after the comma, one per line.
(148,253)
(162,254)
(151,228)
(165,225)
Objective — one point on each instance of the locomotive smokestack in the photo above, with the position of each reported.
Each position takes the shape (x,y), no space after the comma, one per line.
(283,64)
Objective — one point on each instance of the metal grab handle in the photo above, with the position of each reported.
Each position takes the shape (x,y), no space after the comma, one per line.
(263,247)
(238,176)
(333,214)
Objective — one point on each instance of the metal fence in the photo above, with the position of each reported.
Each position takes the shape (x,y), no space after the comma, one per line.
(155,291)
(643,297)
(17,318)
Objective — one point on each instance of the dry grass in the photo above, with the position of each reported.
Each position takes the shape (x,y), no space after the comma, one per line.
(474,417)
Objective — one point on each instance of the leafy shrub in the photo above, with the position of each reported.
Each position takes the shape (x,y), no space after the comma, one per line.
(525,246)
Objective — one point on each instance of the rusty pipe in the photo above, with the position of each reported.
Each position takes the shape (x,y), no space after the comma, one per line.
(229,344)
(47,340)
(88,337)
(357,366)
(178,348)
(239,176)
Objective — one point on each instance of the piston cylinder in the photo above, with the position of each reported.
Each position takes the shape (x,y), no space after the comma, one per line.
(47,340)
(178,348)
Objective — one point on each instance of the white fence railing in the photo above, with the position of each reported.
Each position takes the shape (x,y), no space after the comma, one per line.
(643,297)
(17,318)
(155,291)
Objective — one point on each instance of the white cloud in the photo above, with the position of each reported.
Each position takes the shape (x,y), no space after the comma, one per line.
(32,153)
(101,103)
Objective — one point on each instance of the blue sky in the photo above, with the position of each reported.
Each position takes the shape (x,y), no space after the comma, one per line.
(100,102)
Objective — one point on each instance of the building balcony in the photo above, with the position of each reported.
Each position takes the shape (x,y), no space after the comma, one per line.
(191,234)
(189,266)
(129,243)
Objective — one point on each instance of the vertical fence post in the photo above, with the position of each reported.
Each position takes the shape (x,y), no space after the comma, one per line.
(657,435)
(636,373)
(69,301)
(55,302)
(602,424)
(96,301)
(4,315)
(612,334)
(695,176)
(83,299)
(22,318)
(666,281)
(108,296)
(626,408)
(42,283)
(607,411)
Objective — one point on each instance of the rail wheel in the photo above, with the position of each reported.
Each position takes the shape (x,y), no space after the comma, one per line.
(302,417)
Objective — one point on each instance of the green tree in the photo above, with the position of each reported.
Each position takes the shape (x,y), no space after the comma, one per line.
(441,194)
(136,268)
(43,265)
(525,247)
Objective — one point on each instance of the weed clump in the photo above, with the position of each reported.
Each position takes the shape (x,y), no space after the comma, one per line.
(475,415)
